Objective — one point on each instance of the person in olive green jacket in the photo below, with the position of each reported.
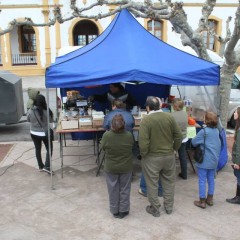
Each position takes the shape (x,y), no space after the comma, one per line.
(236,157)
(117,144)
(159,137)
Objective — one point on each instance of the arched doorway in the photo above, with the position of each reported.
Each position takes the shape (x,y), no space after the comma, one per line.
(84,32)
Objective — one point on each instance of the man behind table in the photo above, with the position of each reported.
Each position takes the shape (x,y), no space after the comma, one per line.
(159,137)
(116,91)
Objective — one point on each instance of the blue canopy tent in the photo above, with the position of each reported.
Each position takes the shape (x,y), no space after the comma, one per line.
(127,52)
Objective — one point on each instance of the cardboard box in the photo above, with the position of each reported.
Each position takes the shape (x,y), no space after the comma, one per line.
(98,122)
(69,124)
(85,122)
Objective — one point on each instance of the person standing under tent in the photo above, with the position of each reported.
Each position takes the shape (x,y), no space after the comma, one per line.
(143,188)
(159,137)
(207,169)
(181,118)
(118,108)
(236,157)
(116,91)
(117,144)
(37,116)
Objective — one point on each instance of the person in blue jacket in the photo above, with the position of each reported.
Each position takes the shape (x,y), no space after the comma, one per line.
(207,169)
(118,108)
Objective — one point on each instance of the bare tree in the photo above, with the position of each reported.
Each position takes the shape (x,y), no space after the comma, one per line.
(173,12)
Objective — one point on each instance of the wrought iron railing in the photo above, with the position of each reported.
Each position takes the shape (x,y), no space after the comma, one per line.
(24,59)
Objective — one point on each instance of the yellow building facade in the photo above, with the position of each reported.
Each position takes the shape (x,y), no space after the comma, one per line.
(27,51)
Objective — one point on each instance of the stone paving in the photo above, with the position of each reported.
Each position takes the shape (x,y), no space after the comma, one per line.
(76,207)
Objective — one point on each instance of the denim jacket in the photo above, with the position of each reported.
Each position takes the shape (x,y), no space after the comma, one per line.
(212,147)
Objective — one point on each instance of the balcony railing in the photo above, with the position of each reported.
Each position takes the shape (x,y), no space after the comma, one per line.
(24,59)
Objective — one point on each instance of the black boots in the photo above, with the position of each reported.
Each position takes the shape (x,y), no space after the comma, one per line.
(236,199)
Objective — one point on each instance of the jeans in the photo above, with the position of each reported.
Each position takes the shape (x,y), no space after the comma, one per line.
(203,176)
(237,175)
(183,159)
(37,140)
(144,187)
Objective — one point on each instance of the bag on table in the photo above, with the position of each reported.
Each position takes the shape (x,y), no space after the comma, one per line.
(199,153)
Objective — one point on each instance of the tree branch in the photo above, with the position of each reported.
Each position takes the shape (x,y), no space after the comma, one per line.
(230,54)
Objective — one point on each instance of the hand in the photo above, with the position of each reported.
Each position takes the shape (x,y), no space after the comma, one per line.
(235,166)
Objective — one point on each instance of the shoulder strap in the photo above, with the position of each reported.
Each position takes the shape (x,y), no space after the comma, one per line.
(204,139)
(38,120)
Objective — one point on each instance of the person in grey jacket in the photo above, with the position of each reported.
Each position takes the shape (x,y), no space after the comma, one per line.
(207,169)
(181,118)
(37,116)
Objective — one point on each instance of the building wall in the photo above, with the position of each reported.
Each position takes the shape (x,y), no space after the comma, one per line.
(51,39)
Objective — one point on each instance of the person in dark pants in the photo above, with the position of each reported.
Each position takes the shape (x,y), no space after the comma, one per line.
(117,144)
(181,118)
(37,116)
(236,158)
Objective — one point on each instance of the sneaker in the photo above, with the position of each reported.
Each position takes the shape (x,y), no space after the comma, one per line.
(40,169)
(48,171)
(151,210)
(141,192)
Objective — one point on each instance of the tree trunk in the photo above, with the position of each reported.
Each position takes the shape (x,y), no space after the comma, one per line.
(224,93)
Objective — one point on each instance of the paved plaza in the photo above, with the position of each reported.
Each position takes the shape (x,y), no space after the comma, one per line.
(76,206)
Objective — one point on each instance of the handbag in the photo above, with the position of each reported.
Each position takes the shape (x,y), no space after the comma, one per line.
(46,132)
(199,153)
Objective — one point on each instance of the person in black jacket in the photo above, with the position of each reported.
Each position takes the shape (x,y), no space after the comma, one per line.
(116,91)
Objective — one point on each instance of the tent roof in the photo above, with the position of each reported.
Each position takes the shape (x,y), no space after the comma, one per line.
(126,51)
